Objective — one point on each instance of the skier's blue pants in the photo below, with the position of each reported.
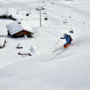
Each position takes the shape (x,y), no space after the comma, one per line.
(67,42)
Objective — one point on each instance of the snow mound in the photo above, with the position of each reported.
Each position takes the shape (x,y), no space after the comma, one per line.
(34,50)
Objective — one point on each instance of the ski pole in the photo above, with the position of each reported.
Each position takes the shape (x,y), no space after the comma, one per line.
(56,44)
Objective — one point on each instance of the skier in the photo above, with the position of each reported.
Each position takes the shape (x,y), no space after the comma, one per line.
(68,39)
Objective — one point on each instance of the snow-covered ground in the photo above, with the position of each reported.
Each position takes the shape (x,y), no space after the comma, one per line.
(65,69)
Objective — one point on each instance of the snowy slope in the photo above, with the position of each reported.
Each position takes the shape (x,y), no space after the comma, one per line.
(66,69)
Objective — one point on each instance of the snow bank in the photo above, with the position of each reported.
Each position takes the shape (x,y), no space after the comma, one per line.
(2,41)
(34,50)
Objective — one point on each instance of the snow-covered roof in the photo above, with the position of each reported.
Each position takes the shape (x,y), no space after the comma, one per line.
(2,40)
(3,12)
(15,27)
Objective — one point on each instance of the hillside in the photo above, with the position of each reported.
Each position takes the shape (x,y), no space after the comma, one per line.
(65,69)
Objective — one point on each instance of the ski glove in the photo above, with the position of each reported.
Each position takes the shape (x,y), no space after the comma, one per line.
(62,38)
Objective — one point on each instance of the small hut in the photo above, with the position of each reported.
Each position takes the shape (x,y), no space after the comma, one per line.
(2,42)
(16,30)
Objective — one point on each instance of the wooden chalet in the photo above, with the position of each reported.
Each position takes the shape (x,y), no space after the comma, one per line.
(16,30)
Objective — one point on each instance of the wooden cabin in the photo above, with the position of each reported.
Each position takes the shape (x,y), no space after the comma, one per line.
(16,30)
(7,17)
